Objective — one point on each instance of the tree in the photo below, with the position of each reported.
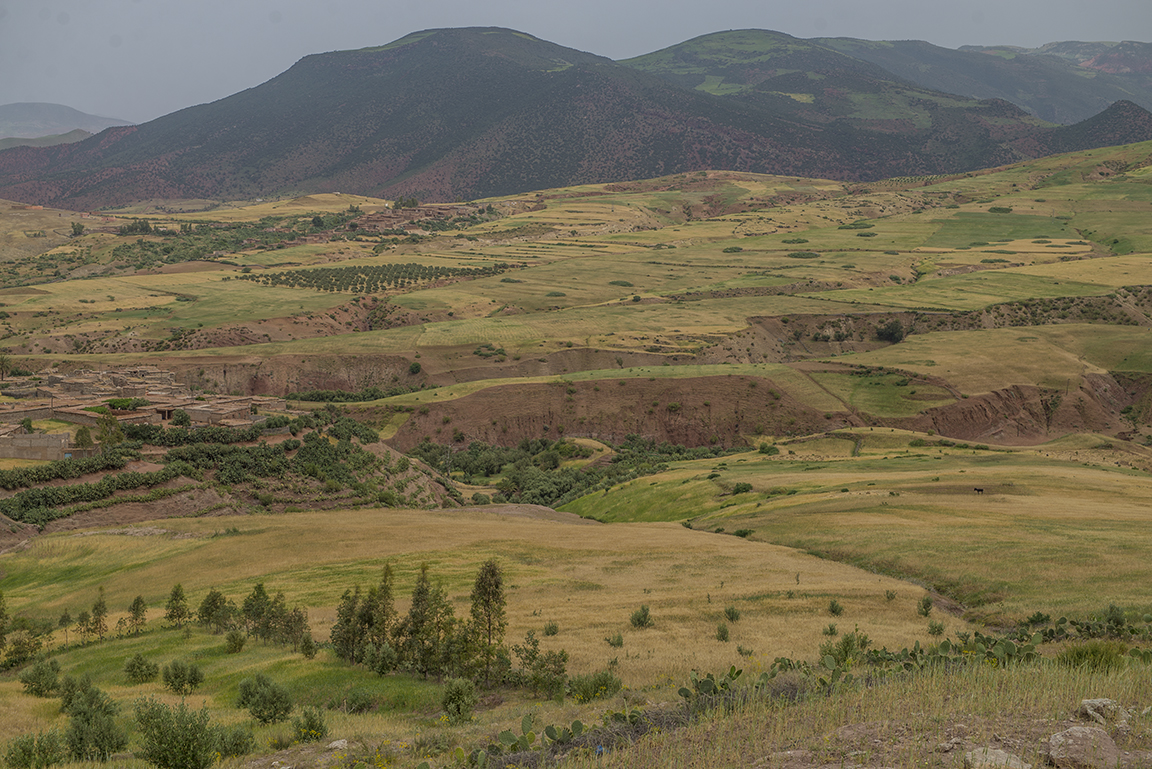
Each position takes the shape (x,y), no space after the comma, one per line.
(423,631)
(83,438)
(182,677)
(345,635)
(5,365)
(180,418)
(488,617)
(216,612)
(77,229)
(255,610)
(176,610)
(3,622)
(137,614)
(892,331)
(99,618)
(26,425)
(108,432)
(64,623)
(414,367)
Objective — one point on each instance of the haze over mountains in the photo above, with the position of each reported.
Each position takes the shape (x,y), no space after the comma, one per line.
(33,120)
(465,113)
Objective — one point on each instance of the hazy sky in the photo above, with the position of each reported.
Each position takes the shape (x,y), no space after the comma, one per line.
(139,59)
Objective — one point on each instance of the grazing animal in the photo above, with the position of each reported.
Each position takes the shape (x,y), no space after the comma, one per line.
(978,491)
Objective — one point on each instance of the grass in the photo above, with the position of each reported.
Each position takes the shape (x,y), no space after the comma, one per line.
(1032,541)
(872,725)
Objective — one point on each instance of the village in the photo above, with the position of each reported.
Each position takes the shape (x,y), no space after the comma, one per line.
(72,400)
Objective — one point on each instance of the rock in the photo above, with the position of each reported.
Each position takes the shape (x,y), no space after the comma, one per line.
(1083,747)
(1103,712)
(338,745)
(950,745)
(987,758)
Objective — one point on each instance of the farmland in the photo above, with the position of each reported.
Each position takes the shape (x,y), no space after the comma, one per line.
(814,403)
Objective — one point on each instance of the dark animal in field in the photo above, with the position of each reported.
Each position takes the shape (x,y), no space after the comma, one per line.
(978,491)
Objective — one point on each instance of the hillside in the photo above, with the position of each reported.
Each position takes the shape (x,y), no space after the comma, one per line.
(1059,82)
(465,113)
(854,449)
(33,120)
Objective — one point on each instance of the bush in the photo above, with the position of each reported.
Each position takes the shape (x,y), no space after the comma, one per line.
(924,608)
(935,628)
(732,613)
(742,488)
(182,677)
(834,608)
(642,618)
(722,633)
(847,650)
(615,641)
(234,641)
(594,686)
(176,737)
(236,741)
(1096,656)
(769,450)
(551,628)
(268,702)
(310,726)
(459,699)
(892,331)
(93,734)
(139,670)
(42,678)
(32,751)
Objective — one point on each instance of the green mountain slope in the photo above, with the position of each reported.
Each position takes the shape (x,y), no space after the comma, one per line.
(1049,82)
(466,113)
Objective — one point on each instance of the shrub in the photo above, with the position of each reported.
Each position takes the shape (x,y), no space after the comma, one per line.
(722,633)
(743,533)
(642,618)
(732,613)
(176,737)
(139,670)
(924,608)
(935,628)
(742,488)
(182,677)
(414,367)
(890,595)
(31,751)
(310,726)
(93,734)
(831,630)
(834,608)
(847,650)
(615,641)
(769,450)
(594,686)
(42,678)
(234,641)
(551,628)
(236,741)
(459,699)
(268,702)
(1096,656)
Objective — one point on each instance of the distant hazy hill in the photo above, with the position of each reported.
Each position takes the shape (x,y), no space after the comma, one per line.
(32,120)
(1060,82)
(46,141)
(466,113)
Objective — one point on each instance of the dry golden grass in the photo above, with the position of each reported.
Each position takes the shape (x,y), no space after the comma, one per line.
(586,578)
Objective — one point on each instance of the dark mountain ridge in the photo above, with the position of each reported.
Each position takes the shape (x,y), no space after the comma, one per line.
(463,113)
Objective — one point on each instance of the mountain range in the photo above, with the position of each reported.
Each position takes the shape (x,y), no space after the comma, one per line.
(464,113)
(36,120)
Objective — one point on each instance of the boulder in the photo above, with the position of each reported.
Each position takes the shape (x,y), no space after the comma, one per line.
(1082,747)
(988,758)
(1104,712)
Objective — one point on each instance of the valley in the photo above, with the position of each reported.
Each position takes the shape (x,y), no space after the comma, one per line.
(775,412)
